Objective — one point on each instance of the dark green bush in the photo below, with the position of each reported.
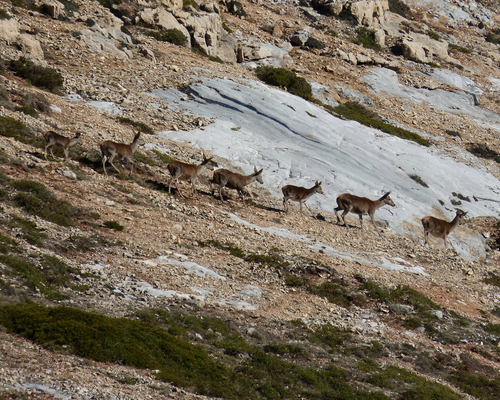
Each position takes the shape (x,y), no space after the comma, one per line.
(366,38)
(434,35)
(174,36)
(113,225)
(337,294)
(493,37)
(419,180)
(287,79)
(28,110)
(45,78)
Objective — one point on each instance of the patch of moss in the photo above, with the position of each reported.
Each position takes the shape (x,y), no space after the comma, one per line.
(37,200)
(287,79)
(434,35)
(454,47)
(42,77)
(355,111)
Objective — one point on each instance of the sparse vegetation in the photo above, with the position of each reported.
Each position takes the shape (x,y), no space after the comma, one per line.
(434,35)
(36,199)
(357,112)
(418,179)
(45,78)
(141,126)
(10,127)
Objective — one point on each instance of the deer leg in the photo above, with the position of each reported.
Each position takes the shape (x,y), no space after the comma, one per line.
(111,162)
(308,206)
(346,211)
(337,214)
(104,158)
(285,204)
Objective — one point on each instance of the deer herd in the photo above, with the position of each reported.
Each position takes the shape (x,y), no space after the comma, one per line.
(223,178)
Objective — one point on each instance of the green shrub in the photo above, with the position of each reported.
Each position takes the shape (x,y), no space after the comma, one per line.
(113,225)
(28,110)
(287,79)
(366,38)
(45,78)
(27,4)
(337,294)
(133,343)
(357,112)
(174,36)
(476,385)
(330,336)
(454,47)
(37,200)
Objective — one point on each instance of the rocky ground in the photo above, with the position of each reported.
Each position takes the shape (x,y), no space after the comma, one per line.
(159,226)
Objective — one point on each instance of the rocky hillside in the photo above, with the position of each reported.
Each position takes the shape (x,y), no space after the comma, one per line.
(111,287)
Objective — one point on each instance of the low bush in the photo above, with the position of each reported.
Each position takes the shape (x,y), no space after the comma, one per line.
(366,38)
(286,79)
(42,77)
(113,225)
(174,36)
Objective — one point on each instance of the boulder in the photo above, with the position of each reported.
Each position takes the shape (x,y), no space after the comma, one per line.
(299,38)
(422,48)
(53,8)
(9,29)
(172,4)
(228,48)
(28,44)
(166,20)
(206,31)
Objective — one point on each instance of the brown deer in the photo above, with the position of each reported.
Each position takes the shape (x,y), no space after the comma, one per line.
(125,152)
(186,172)
(300,194)
(361,206)
(441,228)
(53,139)
(232,180)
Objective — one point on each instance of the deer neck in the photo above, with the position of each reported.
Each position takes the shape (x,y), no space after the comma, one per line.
(455,222)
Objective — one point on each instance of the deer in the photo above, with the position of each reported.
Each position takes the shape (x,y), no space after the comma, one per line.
(52,138)
(441,228)
(361,206)
(300,194)
(186,172)
(232,180)
(110,150)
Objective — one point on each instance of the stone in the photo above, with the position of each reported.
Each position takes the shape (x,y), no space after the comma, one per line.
(53,8)
(299,38)
(9,29)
